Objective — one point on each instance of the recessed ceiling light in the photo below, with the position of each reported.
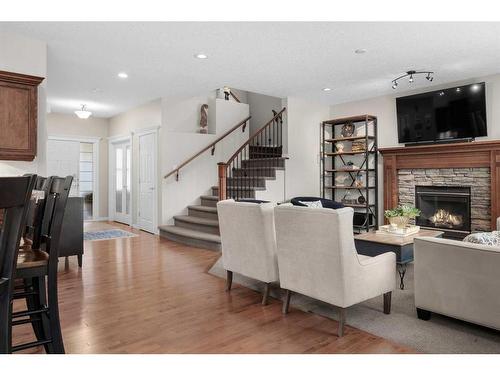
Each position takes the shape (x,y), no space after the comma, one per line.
(327,89)
(458,89)
(123,75)
(474,88)
(360,51)
(201,56)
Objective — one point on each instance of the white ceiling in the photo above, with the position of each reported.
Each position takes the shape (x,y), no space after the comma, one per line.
(277,58)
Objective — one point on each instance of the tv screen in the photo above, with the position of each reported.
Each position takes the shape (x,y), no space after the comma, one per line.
(455,113)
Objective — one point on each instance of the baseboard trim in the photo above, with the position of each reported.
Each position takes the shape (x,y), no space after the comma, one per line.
(98,219)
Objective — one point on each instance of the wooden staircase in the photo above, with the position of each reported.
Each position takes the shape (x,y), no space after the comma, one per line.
(200,227)
(246,173)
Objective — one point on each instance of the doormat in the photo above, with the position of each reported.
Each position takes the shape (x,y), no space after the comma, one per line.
(108,234)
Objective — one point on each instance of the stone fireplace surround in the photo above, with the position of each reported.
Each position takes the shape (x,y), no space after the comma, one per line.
(478,179)
(475,164)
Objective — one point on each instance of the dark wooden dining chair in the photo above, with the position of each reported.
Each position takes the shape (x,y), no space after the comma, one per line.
(33,229)
(35,265)
(15,194)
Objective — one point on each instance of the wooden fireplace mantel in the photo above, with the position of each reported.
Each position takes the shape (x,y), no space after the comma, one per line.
(485,154)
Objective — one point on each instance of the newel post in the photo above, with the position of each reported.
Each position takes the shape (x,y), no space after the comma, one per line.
(222,180)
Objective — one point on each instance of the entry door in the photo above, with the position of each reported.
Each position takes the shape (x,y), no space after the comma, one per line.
(122,182)
(63,159)
(147,183)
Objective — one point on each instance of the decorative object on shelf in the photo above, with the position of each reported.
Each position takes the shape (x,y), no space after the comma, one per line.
(411,73)
(401,215)
(361,199)
(348,199)
(347,130)
(359,146)
(204,119)
(359,181)
(350,166)
(340,180)
(339,147)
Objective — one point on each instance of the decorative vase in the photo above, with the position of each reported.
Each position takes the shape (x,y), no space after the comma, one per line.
(399,221)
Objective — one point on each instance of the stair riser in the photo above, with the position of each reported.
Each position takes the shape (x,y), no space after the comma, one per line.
(280,163)
(206,215)
(198,227)
(208,202)
(241,194)
(256,182)
(190,241)
(255,173)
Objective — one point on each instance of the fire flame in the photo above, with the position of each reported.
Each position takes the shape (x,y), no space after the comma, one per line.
(443,217)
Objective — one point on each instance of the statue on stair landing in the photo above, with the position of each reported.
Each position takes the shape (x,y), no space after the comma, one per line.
(204,119)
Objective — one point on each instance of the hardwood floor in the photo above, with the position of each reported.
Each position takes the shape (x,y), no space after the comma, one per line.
(149,295)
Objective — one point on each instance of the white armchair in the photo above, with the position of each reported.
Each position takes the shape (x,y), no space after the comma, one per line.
(457,279)
(317,257)
(248,242)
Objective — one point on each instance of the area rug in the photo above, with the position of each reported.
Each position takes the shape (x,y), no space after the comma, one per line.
(438,335)
(108,234)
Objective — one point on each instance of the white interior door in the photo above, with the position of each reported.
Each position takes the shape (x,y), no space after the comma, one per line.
(147,197)
(121,204)
(63,159)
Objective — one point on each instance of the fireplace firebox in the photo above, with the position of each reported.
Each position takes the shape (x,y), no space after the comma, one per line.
(445,208)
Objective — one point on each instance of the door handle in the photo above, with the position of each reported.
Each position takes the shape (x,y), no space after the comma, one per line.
(151,188)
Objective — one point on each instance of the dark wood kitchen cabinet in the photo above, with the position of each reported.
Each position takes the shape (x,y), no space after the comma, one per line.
(18,115)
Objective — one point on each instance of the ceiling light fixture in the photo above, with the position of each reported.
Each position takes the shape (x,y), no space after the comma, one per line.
(474,88)
(327,89)
(201,56)
(411,73)
(123,75)
(83,113)
(360,51)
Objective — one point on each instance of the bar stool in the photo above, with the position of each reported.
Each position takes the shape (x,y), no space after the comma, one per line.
(35,265)
(15,194)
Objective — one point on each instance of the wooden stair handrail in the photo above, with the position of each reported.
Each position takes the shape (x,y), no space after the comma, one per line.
(223,167)
(235,97)
(277,116)
(211,145)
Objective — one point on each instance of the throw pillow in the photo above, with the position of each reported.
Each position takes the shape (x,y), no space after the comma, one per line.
(312,204)
(486,238)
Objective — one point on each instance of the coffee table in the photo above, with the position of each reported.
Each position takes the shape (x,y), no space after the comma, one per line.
(373,244)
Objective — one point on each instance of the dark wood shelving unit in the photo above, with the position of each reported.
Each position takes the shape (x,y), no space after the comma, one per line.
(334,164)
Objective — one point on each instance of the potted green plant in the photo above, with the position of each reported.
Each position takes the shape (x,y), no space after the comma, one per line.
(401,215)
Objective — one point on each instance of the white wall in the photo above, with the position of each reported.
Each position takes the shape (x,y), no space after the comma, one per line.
(196,178)
(384,107)
(261,107)
(126,124)
(28,56)
(303,120)
(59,124)
(184,115)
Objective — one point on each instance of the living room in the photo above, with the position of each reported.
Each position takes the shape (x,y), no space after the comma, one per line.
(250,187)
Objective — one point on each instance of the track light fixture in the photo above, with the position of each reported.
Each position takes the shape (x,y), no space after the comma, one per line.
(411,73)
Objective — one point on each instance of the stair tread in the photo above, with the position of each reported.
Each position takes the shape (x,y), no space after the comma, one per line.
(203,208)
(258,168)
(197,220)
(210,197)
(180,231)
(257,159)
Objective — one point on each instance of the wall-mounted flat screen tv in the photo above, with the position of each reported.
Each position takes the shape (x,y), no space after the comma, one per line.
(443,115)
